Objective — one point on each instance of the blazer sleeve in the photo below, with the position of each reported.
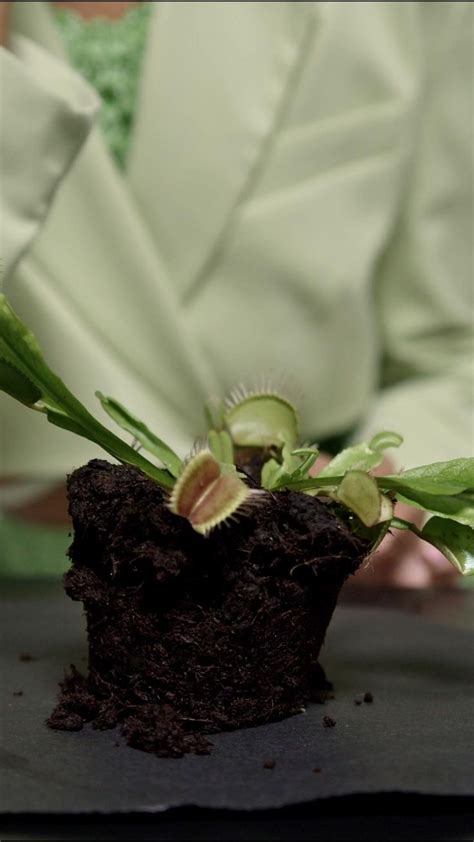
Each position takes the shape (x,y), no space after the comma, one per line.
(46,113)
(424,287)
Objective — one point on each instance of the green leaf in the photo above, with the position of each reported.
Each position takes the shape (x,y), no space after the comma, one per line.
(261,420)
(288,461)
(387,438)
(220,445)
(15,384)
(215,414)
(398,523)
(312,484)
(360,457)
(374,535)
(360,493)
(310,455)
(59,419)
(206,494)
(363,456)
(450,477)
(270,474)
(443,488)
(454,540)
(458,507)
(294,467)
(113,445)
(66,423)
(273,474)
(19,348)
(142,433)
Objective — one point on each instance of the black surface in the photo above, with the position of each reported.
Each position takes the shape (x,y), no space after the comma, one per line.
(414,737)
(346,818)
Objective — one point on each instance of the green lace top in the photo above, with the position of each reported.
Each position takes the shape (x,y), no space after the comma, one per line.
(108,55)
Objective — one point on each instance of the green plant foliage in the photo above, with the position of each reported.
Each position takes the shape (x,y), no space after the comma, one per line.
(214,413)
(458,507)
(19,348)
(454,540)
(15,384)
(295,466)
(363,456)
(449,495)
(439,478)
(272,473)
(384,440)
(208,489)
(142,434)
(206,494)
(220,445)
(261,420)
(442,488)
(360,493)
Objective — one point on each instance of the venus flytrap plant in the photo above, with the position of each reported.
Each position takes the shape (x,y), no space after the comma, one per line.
(207,489)
(356,489)
(221,445)
(260,419)
(209,492)
(450,501)
(25,376)
(142,434)
(264,419)
(445,490)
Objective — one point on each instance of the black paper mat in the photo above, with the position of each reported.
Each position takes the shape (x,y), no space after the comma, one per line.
(414,737)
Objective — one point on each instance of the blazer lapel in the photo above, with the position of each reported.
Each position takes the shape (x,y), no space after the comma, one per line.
(98,255)
(215,84)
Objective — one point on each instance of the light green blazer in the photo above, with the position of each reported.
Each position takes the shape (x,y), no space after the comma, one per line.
(297,204)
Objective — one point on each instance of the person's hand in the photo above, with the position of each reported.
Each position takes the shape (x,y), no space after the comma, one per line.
(4,23)
(403,559)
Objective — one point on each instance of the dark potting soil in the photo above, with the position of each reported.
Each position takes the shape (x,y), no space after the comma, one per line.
(191,635)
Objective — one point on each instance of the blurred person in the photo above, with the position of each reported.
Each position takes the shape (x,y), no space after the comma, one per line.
(272,188)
